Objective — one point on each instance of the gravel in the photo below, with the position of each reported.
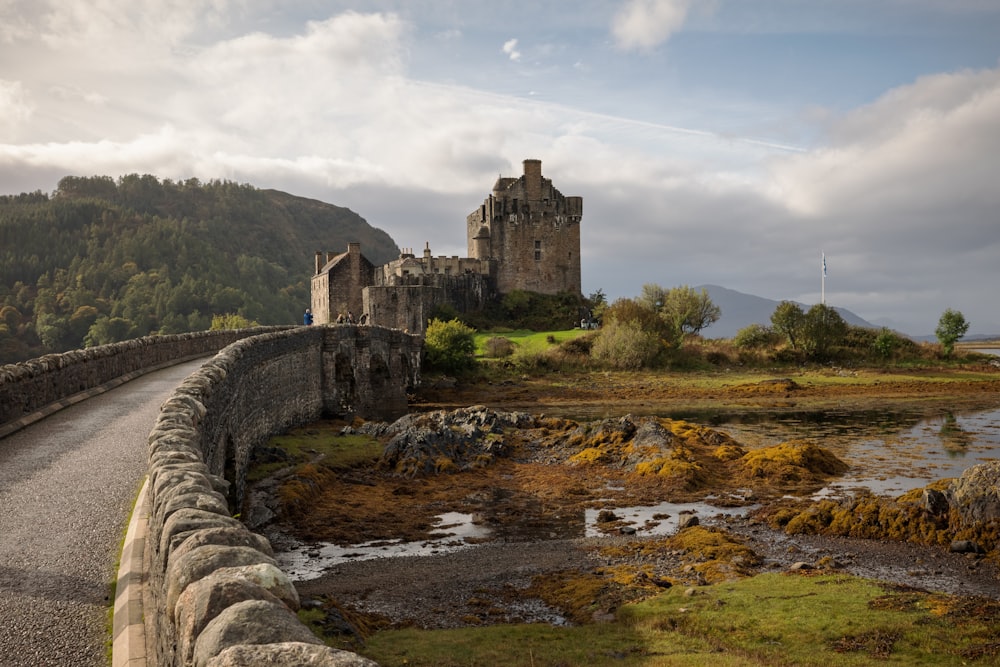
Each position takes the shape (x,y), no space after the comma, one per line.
(463,587)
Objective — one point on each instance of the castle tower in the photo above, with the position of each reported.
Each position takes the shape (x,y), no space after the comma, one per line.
(530,232)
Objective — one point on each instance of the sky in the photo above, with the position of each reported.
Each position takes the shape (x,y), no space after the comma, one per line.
(725,142)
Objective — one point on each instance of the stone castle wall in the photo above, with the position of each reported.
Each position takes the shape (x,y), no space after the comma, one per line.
(410,300)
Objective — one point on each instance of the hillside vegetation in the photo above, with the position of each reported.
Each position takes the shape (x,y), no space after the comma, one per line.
(102,260)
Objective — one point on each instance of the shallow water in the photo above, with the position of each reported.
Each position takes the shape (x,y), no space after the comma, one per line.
(889,453)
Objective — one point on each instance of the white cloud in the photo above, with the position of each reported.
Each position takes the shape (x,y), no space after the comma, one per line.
(644,24)
(15,108)
(900,194)
(510,48)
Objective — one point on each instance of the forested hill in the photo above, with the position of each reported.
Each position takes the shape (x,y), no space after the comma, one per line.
(102,260)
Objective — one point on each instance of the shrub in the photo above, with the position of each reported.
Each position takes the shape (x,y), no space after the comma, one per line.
(756,337)
(449,346)
(498,347)
(626,345)
(580,346)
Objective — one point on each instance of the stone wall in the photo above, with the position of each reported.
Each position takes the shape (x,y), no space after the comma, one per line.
(215,594)
(33,388)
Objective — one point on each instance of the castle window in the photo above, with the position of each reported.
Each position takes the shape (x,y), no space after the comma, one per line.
(538,250)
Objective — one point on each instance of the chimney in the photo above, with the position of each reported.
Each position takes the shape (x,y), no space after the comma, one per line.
(319,261)
(533,179)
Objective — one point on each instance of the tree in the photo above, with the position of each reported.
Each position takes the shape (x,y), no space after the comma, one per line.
(886,343)
(951,327)
(684,311)
(231,321)
(788,319)
(449,346)
(822,329)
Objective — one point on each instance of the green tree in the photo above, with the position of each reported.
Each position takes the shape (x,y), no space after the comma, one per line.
(788,320)
(822,329)
(684,311)
(449,346)
(597,303)
(231,321)
(108,330)
(886,343)
(951,327)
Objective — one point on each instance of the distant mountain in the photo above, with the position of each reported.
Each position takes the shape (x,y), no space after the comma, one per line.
(101,260)
(740,310)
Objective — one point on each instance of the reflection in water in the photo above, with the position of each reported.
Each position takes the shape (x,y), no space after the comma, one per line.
(953,435)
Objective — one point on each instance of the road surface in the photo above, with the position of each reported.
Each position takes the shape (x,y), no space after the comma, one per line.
(67,485)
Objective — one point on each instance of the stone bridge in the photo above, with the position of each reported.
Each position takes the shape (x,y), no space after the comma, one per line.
(212,593)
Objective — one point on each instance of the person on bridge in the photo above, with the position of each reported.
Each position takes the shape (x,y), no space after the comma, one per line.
(307,317)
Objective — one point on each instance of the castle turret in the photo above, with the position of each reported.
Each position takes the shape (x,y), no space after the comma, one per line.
(530,233)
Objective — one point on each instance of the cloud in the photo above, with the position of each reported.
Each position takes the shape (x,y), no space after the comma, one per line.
(510,48)
(644,24)
(899,192)
(15,108)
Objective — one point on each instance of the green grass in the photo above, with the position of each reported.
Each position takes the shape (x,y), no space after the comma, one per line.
(526,341)
(319,439)
(828,620)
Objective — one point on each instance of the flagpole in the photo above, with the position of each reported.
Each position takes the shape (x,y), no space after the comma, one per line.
(822,292)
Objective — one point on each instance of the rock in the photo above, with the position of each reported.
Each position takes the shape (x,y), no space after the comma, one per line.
(976,494)
(250,621)
(233,536)
(687,521)
(288,654)
(425,443)
(205,599)
(800,566)
(189,520)
(199,563)
(965,547)
(934,502)
(606,516)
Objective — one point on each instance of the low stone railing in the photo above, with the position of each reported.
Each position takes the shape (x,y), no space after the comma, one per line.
(32,389)
(216,592)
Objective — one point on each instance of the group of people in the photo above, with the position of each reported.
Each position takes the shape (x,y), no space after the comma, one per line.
(307,318)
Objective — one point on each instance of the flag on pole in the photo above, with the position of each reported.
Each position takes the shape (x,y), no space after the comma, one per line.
(824,265)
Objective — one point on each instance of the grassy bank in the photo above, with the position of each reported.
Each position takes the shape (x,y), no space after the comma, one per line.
(772,619)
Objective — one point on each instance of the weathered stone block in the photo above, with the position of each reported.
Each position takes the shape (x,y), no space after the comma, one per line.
(288,654)
(250,622)
(201,562)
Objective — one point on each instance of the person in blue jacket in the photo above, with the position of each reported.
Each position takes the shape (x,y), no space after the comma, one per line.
(307,318)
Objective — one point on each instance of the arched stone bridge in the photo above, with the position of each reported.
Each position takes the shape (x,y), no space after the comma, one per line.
(262,382)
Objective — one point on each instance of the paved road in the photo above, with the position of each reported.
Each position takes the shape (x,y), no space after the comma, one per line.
(67,484)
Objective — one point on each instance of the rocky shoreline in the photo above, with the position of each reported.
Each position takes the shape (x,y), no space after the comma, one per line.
(512,468)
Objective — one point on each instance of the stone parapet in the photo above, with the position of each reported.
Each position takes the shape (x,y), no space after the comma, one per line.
(214,593)
(32,389)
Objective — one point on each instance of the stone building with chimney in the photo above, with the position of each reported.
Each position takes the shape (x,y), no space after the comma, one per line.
(524,236)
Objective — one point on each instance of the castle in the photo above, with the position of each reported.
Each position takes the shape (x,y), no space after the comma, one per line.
(524,236)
